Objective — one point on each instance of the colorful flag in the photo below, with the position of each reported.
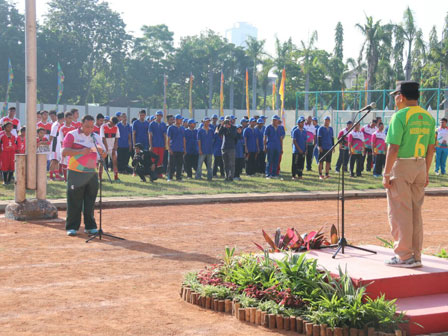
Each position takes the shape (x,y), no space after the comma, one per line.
(221,96)
(281,91)
(191,96)
(8,89)
(247,93)
(274,92)
(60,83)
(165,85)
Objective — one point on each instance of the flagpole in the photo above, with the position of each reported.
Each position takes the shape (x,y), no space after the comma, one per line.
(31,95)
(190,107)
(221,96)
(165,83)
(247,93)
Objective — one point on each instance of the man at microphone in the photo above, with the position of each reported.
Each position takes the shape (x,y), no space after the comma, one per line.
(81,146)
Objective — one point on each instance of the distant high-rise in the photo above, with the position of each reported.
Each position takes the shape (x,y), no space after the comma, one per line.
(239,33)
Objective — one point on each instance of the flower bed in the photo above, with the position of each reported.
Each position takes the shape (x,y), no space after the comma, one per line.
(291,294)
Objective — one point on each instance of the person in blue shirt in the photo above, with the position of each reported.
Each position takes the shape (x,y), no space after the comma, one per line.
(251,147)
(205,147)
(191,145)
(176,149)
(282,134)
(299,147)
(217,154)
(140,129)
(325,140)
(214,122)
(185,123)
(261,155)
(239,155)
(273,146)
(124,149)
(157,138)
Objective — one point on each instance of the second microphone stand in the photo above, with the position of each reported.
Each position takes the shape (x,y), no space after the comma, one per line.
(342,243)
(100,232)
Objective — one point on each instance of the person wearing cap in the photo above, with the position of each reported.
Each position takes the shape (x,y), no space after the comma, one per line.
(157,137)
(310,129)
(140,130)
(192,151)
(244,123)
(261,155)
(368,131)
(251,147)
(138,162)
(411,140)
(205,148)
(344,154)
(239,154)
(185,123)
(12,119)
(214,122)
(379,150)
(299,148)
(217,153)
(273,146)
(325,141)
(8,149)
(281,127)
(124,149)
(176,149)
(230,135)
(356,143)
(233,120)
(441,147)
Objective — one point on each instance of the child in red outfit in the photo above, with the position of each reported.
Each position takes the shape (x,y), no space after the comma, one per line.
(7,151)
(21,141)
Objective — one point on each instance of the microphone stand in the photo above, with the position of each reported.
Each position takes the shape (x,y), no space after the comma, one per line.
(342,243)
(100,232)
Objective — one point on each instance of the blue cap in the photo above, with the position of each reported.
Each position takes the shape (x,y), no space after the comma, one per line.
(239,126)
(233,117)
(221,118)
(185,119)
(206,119)
(252,119)
(191,121)
(275,117)
(314,118)
(244,120)
(152,118)
(215,116)
(327,118)
(178,116)
(106,118)
(349,122)
(263,117)
(260,121)
(118,114)
(159,112)
(301,119)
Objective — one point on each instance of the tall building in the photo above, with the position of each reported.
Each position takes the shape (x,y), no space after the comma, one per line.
(239,33)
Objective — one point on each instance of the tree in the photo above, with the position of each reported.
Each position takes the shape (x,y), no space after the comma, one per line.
(90,37)
(254,52)
(336,66)
(308,55)
(374,34)
(339,39)
(409,33)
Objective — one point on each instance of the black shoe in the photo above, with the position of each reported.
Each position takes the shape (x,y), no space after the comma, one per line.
(352,175)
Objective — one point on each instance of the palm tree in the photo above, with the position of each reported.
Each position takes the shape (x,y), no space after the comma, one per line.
(255,52)
(308,59)
(409,32)
(374,34)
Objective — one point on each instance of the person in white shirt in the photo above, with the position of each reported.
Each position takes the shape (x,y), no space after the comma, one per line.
(441,147)
(368,131)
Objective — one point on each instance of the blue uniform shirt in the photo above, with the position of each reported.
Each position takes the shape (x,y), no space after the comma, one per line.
(141,132)
(125,130)
(158,133)
(217,144)
(259,133)
(326,137)
(273,137)
(206,138)
(191,141)
(292,131)
(239,149)
(176,135)
(300,137)
(251,139)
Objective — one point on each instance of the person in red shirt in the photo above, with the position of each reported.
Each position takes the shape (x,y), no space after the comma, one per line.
(53,116)
(75,114)
(21,141)
(99,122)
(67,127)
(45,124)
(110,134)
(7,152)
(11,118)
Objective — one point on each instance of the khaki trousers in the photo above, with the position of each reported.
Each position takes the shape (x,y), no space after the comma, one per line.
(405,200)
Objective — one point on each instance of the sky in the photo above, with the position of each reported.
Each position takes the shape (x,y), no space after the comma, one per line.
(283,19)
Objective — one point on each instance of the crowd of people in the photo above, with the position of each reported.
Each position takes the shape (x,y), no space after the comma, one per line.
(172,146)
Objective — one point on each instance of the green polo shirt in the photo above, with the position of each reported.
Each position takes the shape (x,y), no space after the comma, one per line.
(413,129)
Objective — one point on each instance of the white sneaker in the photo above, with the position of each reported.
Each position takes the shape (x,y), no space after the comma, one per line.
(408,263)
(437,173)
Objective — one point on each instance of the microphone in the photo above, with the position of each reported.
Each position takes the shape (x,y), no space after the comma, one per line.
(369,107)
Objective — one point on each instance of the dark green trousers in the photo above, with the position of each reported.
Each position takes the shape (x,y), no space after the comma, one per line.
(82,189)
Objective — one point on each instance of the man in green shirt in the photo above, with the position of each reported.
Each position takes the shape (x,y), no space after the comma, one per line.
(411,139)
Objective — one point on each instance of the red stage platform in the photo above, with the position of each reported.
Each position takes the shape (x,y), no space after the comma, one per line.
(420,292)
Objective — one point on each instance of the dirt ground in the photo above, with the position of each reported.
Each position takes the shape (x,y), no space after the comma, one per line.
(51,284)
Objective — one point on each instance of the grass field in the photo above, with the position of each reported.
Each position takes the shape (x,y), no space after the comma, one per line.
(131,186)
